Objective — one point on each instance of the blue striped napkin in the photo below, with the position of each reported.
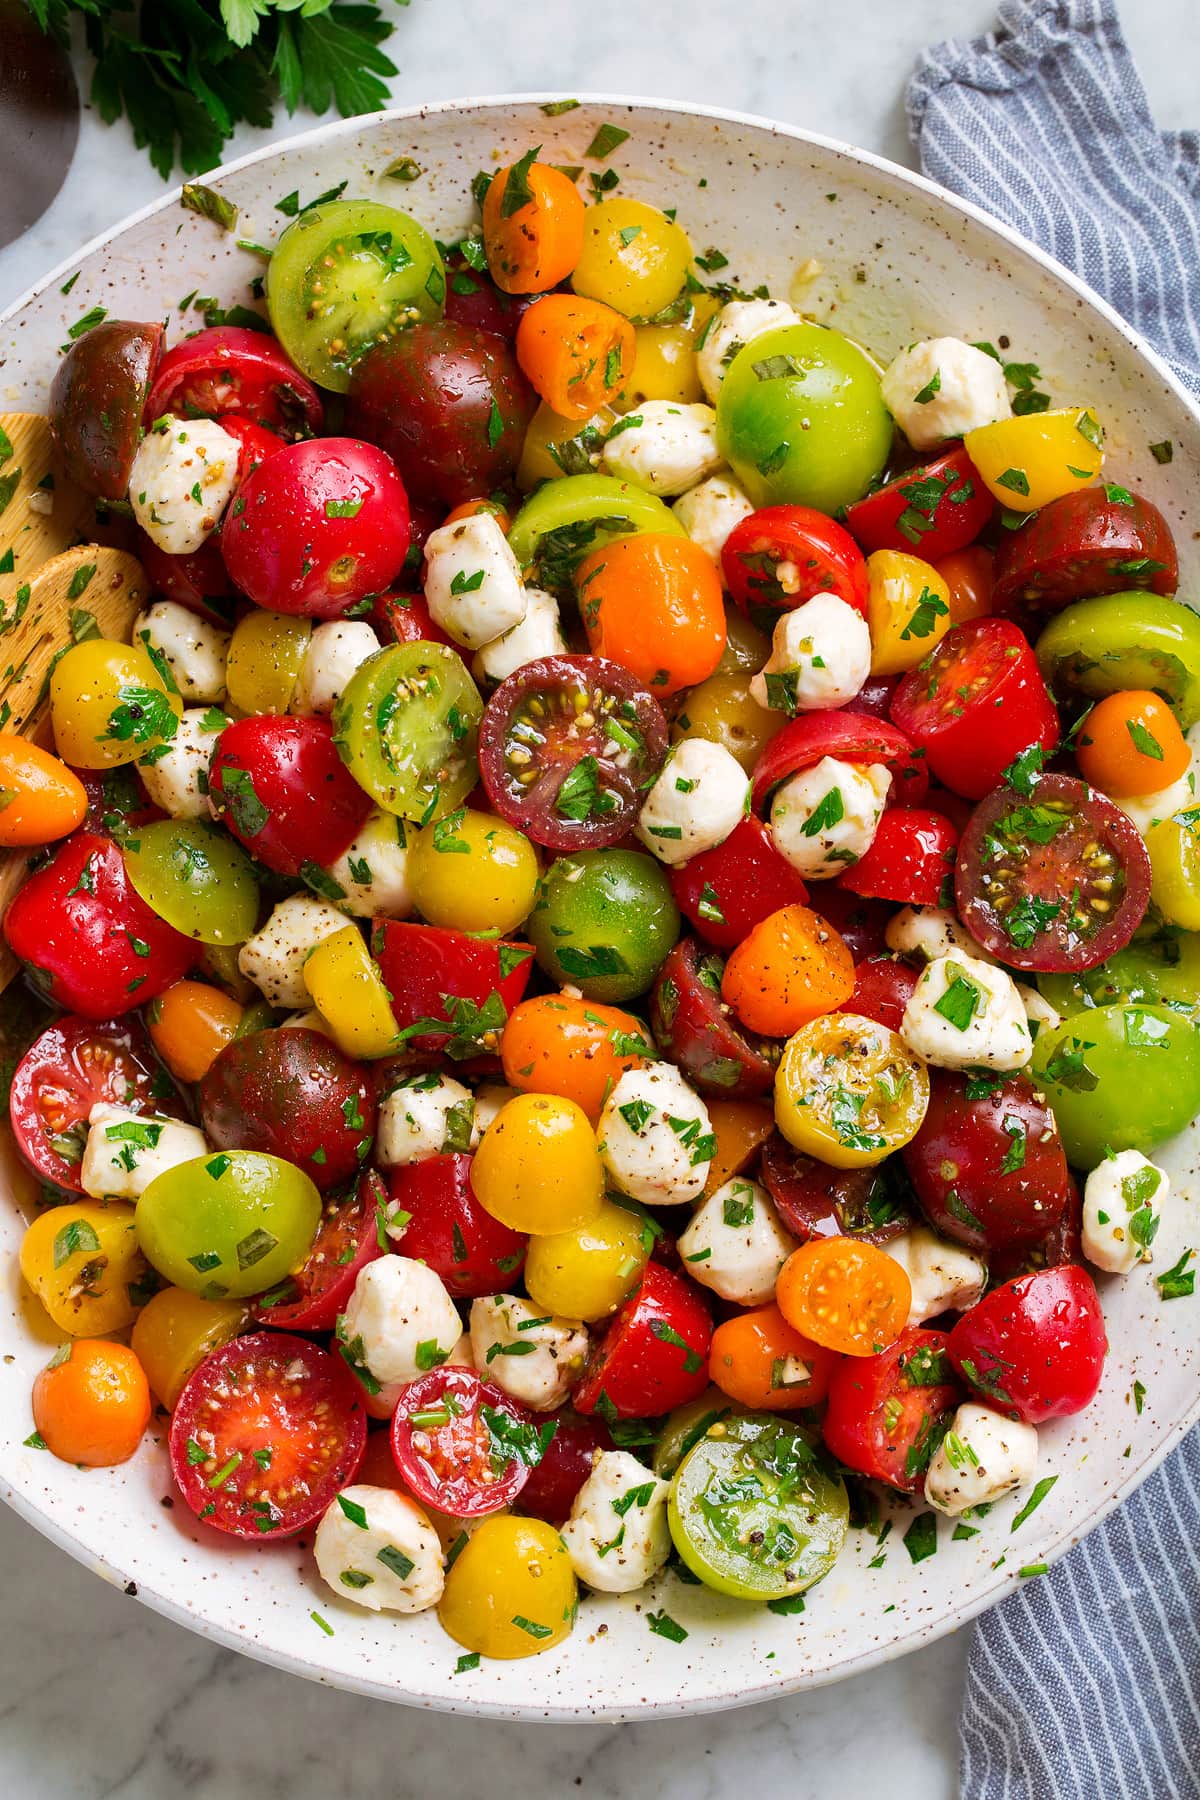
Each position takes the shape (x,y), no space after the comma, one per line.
(1084,1685)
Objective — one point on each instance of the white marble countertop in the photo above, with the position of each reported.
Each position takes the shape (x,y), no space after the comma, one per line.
(98,1696)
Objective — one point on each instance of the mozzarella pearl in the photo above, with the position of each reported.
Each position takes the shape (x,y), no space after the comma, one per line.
(399,1321)
(825,818)
(1122,1207)
(335,650)
(617,1535)
(709,512)
(534,1358)
(944,1276)
(931,931)
(942,389)
(538,634)
(735,326)
(982,1457)
(736,1244)
(666,446)
(967,1014)
(373,870)
(177,781)
(125,1151)
(699,798)
(820,657)
(655,1136)
(473,583)
(425,1115)
(183,477)
(274,958)
(194,649)
(379,1550)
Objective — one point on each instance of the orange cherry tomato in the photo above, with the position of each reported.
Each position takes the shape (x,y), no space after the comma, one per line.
(969,576)
(532,244)
(91,1403)
(845,1295)
(791,969)
(40,798)
(761,1362)
(654,604)
(190,1024)
(577,1049)
(470,508)
(741,1128)
(577,354)
(1131,743)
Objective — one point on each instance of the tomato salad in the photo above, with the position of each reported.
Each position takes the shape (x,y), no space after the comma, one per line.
(648,939)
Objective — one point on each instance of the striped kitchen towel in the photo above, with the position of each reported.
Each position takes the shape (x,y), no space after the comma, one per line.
(1084,1685)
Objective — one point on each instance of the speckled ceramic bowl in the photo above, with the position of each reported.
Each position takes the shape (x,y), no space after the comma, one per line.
(897,260)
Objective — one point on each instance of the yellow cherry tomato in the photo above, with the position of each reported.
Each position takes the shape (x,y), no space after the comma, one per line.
(511,1590)
(265,654)
(849,1091)
(723,710)
(175,1331)
(348,991)
(556,446)
(83,1263)
(587,1272)
(1174,847)
(473,872)
(537,1168)
(1026,462)
(109,704)
(664,366)
(908,610)
(634,258)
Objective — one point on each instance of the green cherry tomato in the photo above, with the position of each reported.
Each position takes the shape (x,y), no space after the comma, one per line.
(1118,641)
(567,519)
(345,276)
(234,1222)
(1119,1078)
(604,921)
(1161,969)
(195,877)
(684,1428)
(754,1511)
(407,728)
(801,419)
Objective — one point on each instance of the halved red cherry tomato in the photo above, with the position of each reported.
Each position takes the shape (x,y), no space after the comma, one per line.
(1098,540)
(852,737)
(233,369)
(654,1355)
(406,619)
(281,788)
(265,1432)
(861,924)
(782,555)
(1035,1347)
(90,943)
(567,747)
(883,987)
(347,1240)
(726,892)
(255,442)
(1057,879)
(71,1067)
(975,703)
(988,1164)
(445,1227)
(566,1465)
(461,1444)
(910,860)
(928,512)
(886,1413)
(698,1030)
(458,989)
(291,1094)
(815,1200)
(199,581)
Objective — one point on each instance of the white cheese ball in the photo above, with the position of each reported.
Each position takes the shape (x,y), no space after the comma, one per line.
(825,818)
(311,1020)
(473,583)
(274,958)
(1145,811)
(655,1136)
(944,1276)
(335,650)
(383,1403)
(538,634)
(490,1100)
(182,479)
(425,1115)
(617,1535)
(177,779)
(373,870)
(709,512)
(931,931)
(735,326)
(535,1358)
(665,446)
(1038,1010)
(982,1457)
(125,1151)
(375,1547)
(820,657)
(942,389)
(967,1014)
(698,799)
(1122,1209)
(194,649)
(736,1244)
(399,1322)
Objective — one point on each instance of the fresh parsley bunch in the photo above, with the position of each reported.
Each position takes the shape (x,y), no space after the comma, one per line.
(186,72)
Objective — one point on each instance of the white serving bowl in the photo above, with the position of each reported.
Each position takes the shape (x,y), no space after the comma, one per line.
(899,260)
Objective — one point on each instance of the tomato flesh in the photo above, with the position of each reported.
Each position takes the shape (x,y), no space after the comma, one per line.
(910,860)
(639,1368)
(1034,1348)
(461,1444)
(724,893)
(447,1229)
(233,369)
(928,512)
(347,1240)
(815,1200)
(782,555)
(887,1414)
(695,1027)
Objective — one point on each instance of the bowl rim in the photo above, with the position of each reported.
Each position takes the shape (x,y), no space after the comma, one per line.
(989,1593)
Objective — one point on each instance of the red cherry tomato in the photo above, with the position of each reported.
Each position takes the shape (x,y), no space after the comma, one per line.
(639,1368)
(233,369)
(860,923)
(291,1094)
(91,944)
(462,1445)
(347,1240)
(264,1434)
(874,697)
(724,893)
(698,1031)
(782,555)
(1035,1347)
(929,512)
(1062,1244)
(1098,540)
(852,737)
(975,703)
(117,800)
(66,1071)
(281,788)
(317,527)
(815,1200)
(405,619)
(433,974)
(199,581)
(885,1411)
(910,860)
(883,988)
(445,1227)
(255,442)
(474,300)
(553,1485)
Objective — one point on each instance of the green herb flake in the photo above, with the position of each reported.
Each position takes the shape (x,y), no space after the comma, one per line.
(209,204)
